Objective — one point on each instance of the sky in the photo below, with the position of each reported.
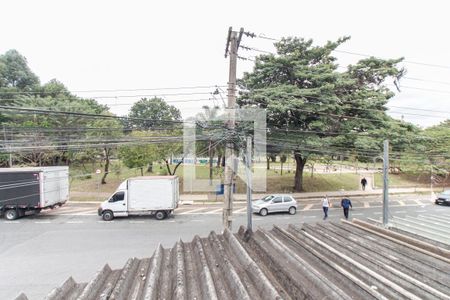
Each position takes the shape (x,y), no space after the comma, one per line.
(147,45)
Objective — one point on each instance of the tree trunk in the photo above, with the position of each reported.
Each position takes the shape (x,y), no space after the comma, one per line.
(106,151)
(299,166)
(219,159)
(223,161)
(142,171)
(268,163)
(176,167)
(150,168)
(281,171)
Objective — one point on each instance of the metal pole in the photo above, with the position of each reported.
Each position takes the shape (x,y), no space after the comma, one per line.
(385,182)
(229,150)
(248,169)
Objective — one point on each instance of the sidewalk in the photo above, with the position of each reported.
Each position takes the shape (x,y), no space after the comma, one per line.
(205,198)
(212,198)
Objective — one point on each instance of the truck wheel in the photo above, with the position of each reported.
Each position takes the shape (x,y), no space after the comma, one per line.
(11,214)
(160,215)
(107,215)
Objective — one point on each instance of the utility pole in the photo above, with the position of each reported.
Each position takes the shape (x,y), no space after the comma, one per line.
(248,170)
(231,49)
(385,182)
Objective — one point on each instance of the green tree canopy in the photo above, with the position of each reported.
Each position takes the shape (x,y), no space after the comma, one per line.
(15,73)
(310,104)
(153,112)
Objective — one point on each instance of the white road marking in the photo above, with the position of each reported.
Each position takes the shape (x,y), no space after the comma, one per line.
(418,202)
(377,213)
(42,222)
(241,210)
(198,220)
(307,207)
(11,222)
(215,211)
(357,214)
(192,211)
(366,205)
(421,211)
(136,222)
(401,202)
(74,222)
(400,212)
(170,221)
(310,216)
(105,222)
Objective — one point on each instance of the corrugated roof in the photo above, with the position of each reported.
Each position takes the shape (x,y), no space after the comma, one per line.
(429,226)
(322,261)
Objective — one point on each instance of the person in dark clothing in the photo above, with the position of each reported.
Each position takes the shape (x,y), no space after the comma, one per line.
(364,183)
(346,204)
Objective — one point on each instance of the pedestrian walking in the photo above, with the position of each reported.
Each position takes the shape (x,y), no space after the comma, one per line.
(346,204)
(325,206)
(363,183)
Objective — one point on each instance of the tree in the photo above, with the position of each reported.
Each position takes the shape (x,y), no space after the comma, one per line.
(437,146)
(15,73)
(151,112)
(309,100)
(210,126)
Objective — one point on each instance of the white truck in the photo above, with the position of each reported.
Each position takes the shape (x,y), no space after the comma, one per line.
(147,195)
(25,191)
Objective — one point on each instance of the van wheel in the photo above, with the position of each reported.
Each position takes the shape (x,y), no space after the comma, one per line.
(263,212)
(160,215)
(292,210)
(11,214)
(107,215)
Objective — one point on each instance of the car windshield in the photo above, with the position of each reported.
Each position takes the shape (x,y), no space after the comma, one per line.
(267,198)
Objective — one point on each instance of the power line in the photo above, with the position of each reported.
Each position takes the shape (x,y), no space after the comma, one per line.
(78,114)
(118,90)
(74,98)
(263,36)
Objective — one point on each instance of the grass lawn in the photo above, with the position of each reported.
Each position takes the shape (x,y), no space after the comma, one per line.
(403,180)
(80,182)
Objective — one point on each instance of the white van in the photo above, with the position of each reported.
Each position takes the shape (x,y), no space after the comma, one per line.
(147,195)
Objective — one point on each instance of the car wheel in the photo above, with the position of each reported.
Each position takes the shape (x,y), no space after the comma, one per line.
(263,212)
(292,210)
(107,215)
(11,214)
(160,215)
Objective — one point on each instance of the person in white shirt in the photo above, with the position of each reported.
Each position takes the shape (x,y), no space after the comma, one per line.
(325,206)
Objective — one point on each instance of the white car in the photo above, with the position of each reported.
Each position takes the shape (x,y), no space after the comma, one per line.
(275,203)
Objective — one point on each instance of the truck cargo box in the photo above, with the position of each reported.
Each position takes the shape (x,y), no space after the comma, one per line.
(152,193)
(39,187)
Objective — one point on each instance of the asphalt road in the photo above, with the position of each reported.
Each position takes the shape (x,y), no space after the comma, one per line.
(39,252)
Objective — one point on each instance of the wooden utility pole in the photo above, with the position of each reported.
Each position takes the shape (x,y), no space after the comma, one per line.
(231,49)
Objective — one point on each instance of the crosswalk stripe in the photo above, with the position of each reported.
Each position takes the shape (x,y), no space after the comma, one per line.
(307,207)
(366,205)
(401,203)
(241,210)
(215,211)
(192,211)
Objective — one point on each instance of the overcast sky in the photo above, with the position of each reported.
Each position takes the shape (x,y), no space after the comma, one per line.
(92,45)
